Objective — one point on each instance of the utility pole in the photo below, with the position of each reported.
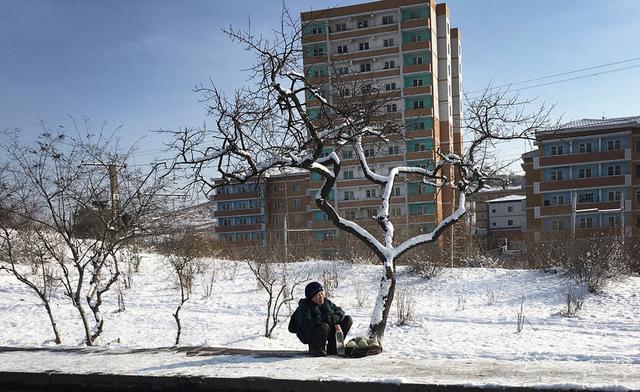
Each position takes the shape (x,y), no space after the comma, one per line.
(113,182)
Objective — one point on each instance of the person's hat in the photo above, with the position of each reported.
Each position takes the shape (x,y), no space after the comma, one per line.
(312,289)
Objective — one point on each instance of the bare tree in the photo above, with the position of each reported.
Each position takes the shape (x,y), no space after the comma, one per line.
(24,256)
(267,126)
(276,280)
(184,255)
(82,204)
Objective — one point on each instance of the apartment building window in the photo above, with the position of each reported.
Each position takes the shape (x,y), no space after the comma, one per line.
(369,152)
(345,92)
(396,212)
(389,64)
(557,150)
(613,144)
(416,60)
(638,145)
(510,222)
(390,86)
(418,104)
(417,82)
(584,173)
(419,147)
(555,175)
(509,209)
(638,197)
(387,42)
(362,24)
(343,70)
(638,171)
(371,213)
(350,214)
(226,222)
(586,197)
(347,175)
(557,200)
(318,51)
(348,195)
(396,191)
(316,30)
(557,225)
(416,37)
(363,46)
(347,154)
(387,20)
(365,68)
(393,150)
(341,27)
(614,221)
(615,195)
(370,193)
(637,220)
(585,147)
(391,108)
(613,170)
(586,223)
(342,49)
(366,89)
(296,203)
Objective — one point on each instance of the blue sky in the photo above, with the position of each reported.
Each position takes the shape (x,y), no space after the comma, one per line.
(135,63)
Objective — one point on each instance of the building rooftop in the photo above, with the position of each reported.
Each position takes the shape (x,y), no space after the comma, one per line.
(507,198)
(587,124)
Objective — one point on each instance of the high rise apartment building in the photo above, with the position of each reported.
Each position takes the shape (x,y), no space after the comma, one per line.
(408,50)
(585,176)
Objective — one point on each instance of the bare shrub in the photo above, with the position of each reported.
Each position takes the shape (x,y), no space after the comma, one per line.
(482,261)
(575,297)
(360,291)
(521,318)
(279,283)
(462,302)
(594,261)
(426,262)
(210,277)
(492,297)
(405,306)
(330,279)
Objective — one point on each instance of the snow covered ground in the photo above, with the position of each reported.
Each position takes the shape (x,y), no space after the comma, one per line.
(463,331)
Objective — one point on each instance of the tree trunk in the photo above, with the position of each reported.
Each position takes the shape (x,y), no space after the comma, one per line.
(85,324)
(54,326)
(176,316)
(383,302)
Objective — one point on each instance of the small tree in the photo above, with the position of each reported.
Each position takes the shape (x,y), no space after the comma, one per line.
(268,126)
(184,255)
(83,204)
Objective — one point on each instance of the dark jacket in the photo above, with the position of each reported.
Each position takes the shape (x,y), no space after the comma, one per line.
(309,315)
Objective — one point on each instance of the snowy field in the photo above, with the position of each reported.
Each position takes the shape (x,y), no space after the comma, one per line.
(464,324)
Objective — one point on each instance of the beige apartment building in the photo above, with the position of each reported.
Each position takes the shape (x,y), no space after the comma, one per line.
(585,178)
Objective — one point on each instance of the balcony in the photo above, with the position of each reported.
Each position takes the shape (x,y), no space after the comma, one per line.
(565,209)
(421,112)
(315,59)
(412,68)
(594,182)
(420,197)
(419,155)
(363,54)
(367,31)
(416,46)
(312,38)
(236,196)
(591,157)
(239,228)
(417,134)
(414,23)
(239,212)
(417,90)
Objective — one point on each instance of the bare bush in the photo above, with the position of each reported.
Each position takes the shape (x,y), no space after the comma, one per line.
(575,297)
(427,262)
(405,306)
(360,291)
(521,318)
(278,282)
(330,279)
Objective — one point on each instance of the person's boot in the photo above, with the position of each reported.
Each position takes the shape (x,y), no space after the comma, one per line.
(317,351)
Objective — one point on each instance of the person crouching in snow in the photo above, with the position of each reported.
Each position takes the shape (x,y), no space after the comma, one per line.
(315,319)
